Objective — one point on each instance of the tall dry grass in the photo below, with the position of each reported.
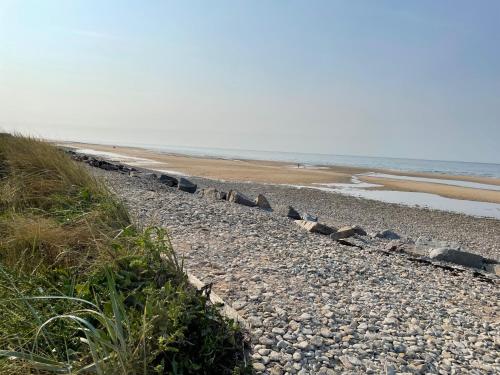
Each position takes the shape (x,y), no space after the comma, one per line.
(52,211)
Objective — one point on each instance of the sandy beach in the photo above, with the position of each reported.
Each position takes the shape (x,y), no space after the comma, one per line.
(287,173)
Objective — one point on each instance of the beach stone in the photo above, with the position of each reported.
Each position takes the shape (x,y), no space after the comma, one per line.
(358,230)
(493,268)
(460,257)
(212,193)
(257,366)
(236,197)
(185,185)
(344,232)
(314,227)
(262,202)
(308,217)
(168,180)
(325,332)
(388,235)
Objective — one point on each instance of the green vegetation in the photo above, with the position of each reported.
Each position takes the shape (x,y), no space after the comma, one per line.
(83,290)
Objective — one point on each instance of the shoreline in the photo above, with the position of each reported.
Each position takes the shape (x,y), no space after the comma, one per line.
(276,172)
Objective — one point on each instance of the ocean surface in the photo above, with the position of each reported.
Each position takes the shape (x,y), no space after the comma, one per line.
(396,164)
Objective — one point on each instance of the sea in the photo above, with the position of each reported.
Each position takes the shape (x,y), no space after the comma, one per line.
(369,162)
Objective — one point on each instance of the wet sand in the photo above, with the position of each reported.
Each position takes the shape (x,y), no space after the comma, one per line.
(288,173)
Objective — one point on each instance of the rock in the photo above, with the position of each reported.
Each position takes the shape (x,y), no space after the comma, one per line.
(349,361)
(262,202)
(167,180)
(254,321)
(150,176)
(288,211)
(314,227)
(257,366)
(237,197)
(264,351)
(212,193)
(107,166)
(316,341)
(185,185)
(493,268)
(343,232)
(358,230)
(394,246)
(388,235)
(325,332)
(460,257)
(303,345)
(308,217)
(305,316)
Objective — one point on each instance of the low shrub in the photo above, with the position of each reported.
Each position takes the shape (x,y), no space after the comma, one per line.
(82,290)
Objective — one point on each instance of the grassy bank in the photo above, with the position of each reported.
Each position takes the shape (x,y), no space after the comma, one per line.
(83,290)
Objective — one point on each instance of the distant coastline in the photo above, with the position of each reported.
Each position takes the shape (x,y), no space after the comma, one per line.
(454,168)
(469,194)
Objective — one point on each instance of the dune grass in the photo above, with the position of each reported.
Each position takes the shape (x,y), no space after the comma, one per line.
(84,290)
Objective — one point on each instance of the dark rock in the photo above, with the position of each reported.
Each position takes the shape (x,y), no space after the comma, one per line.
(463,258)
(358,230)
(107,166)
(236,197)
(186,185)
(168,180)
(388,235)
(262,202)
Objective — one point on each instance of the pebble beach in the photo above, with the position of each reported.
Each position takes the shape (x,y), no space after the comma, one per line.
(316,306)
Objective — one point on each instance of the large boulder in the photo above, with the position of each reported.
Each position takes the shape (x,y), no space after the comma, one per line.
(237,197)
(358,230)
(107,166)
(262,202)
(463,258)
(168,180)
(185,185)
(344,232)
(212,193)
(315,227)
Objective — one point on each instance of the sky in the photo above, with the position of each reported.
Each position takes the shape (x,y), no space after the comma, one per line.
(417,79)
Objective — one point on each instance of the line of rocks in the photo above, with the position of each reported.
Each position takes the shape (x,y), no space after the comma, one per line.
(435,251)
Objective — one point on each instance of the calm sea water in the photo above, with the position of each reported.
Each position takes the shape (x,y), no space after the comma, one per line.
(398,164)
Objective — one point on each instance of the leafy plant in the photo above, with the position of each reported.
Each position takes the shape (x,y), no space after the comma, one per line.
(83,290)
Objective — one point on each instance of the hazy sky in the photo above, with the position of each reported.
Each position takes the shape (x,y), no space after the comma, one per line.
(387,78)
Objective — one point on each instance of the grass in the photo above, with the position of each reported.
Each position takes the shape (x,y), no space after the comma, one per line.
(84,290)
